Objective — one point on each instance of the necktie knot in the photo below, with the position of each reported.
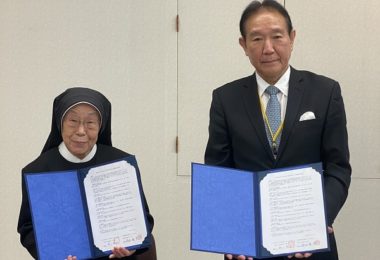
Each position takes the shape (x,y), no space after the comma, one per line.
(272,90)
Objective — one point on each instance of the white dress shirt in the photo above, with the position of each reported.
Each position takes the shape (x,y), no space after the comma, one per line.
(282,84)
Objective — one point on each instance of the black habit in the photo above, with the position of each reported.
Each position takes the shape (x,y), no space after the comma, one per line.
(51,159)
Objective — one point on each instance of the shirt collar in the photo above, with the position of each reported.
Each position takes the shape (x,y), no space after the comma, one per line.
(72,158)
(282,84)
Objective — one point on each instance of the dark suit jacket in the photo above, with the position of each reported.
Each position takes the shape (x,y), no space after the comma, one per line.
(237,136)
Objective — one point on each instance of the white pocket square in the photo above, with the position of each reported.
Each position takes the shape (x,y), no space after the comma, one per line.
(307,116)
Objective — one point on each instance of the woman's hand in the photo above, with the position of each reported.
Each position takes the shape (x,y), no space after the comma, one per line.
(119,252)
(300,255)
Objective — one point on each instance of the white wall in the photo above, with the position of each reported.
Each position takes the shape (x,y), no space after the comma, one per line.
(128,51)
(340,39)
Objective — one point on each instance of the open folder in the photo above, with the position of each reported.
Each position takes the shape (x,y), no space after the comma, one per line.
(259,214)
(88,211)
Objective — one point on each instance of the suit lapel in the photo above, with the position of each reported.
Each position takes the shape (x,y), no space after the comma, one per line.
(253,109)
(294,100)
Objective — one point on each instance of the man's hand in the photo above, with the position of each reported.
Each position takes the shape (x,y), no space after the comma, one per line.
(240,257)
(330,230)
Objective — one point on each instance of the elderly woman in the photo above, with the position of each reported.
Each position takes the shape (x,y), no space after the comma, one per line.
(80,137)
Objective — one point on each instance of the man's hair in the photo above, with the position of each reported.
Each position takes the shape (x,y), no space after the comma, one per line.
(256,6)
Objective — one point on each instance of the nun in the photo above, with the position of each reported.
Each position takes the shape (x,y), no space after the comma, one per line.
(80,137)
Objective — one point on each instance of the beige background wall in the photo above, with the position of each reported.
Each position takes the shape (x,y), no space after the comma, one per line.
(160,84)
(341,39)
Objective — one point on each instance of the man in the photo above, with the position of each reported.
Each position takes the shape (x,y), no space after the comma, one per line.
(299,119)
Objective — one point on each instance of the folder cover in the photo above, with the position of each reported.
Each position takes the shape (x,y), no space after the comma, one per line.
(61,210)
(258,214)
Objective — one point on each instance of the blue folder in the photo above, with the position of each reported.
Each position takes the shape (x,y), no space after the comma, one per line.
(60,218)
(225,210)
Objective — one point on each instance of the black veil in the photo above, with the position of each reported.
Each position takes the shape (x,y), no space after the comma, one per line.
(74,96)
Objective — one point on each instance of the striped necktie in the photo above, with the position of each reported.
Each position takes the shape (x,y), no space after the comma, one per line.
(273,113)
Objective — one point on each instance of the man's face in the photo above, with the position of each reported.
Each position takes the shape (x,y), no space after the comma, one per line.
(268,44)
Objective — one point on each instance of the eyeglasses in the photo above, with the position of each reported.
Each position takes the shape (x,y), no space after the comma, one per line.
(88,124)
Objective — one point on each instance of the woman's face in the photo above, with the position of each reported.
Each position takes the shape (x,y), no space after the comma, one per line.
(80,129)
